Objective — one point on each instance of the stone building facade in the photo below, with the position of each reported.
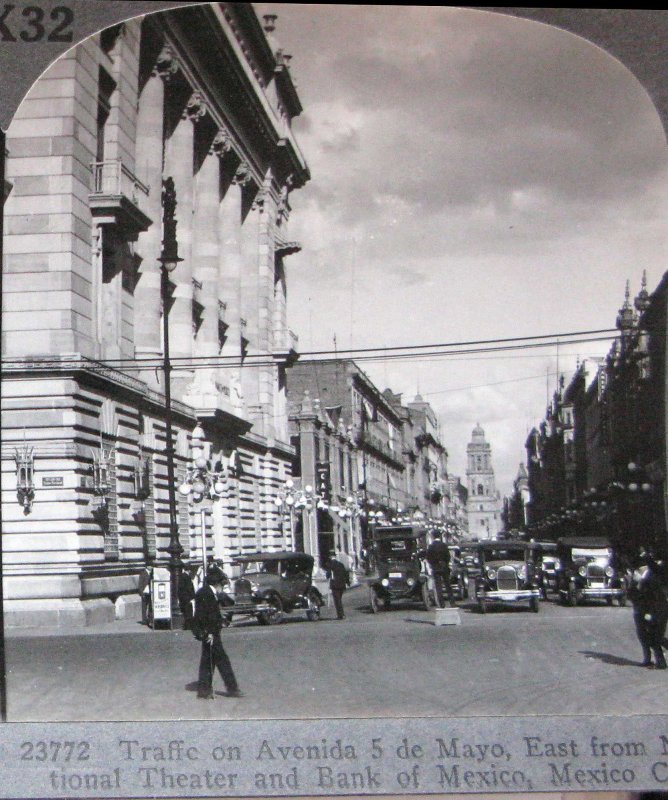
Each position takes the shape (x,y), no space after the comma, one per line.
(328,517)
(343,390)
(598,462)
(195,105)
(483,500)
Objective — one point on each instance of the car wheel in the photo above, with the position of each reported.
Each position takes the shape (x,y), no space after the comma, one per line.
(376,603)
(621,600)
(274,615)
(534,605)
(313,608)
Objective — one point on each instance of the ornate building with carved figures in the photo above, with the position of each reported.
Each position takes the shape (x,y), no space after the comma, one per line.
(150,171)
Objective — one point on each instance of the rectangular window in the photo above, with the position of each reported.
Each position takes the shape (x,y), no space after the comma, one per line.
(106,88)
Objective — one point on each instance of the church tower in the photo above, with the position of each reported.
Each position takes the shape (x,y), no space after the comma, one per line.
(484,502)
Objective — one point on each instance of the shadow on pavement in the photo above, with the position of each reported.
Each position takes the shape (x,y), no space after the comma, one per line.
(608,658)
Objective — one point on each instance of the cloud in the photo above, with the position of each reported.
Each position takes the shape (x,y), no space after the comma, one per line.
(474,175)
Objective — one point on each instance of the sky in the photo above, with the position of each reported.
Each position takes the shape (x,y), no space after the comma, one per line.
(474,176)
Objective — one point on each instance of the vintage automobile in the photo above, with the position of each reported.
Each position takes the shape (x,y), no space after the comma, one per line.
(457,572)
(587,571)
(508,574)
(470,566)
(272,584)
(399,567)
(549,565)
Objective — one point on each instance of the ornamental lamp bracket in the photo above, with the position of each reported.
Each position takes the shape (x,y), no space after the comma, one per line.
(25,476)
(102,461)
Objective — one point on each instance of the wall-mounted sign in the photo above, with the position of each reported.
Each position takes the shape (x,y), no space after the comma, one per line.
(52,481)
(323,480)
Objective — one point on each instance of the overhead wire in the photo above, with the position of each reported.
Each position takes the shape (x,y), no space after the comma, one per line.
(387,353)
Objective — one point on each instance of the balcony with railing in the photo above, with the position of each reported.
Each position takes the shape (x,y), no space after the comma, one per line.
(117,197)
(286,346)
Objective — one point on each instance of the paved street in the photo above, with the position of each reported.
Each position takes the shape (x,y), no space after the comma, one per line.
(397,663)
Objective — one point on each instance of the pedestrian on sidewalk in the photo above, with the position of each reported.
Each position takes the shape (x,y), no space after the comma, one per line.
(650,610)
(438,558)
(207,625)
(186,594)
(144,588)
(339,581)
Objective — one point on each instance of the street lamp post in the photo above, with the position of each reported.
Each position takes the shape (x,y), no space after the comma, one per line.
(202,482)
(169,259)
(351,510)
(287,497)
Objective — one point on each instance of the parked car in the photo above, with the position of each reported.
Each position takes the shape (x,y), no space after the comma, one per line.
(549,565)
(399,568)
(587,571)
(471,566)
(272,584)
(508,573)
(457,572)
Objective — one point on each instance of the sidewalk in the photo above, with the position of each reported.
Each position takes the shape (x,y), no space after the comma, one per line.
(128,626)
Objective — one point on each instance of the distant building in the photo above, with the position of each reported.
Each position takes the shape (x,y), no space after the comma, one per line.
(515,506)
(598,461)
(325,460)
(484,502)
(341,391)
(456,503)
(432,464)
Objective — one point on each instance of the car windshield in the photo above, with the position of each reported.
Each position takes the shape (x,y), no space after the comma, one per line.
(600,555)
(396,548)
(262,567)
(505,554)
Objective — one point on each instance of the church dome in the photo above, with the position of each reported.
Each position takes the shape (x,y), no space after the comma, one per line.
(478,432)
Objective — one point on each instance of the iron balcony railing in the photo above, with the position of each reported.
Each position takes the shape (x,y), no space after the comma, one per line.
(112,177)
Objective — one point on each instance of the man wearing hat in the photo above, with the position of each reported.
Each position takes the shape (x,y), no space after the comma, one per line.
(207,625)
(339,580)
(650,609)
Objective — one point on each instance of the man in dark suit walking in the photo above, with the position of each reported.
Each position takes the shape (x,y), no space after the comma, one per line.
(207,625)
(339,580)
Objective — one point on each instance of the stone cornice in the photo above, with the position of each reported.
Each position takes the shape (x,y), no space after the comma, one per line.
(94,373)
(241,105)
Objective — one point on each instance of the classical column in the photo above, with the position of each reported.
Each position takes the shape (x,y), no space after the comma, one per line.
(267,377)
(230,270)
(250,309)
(179,151)
(205,258)
(149,155)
